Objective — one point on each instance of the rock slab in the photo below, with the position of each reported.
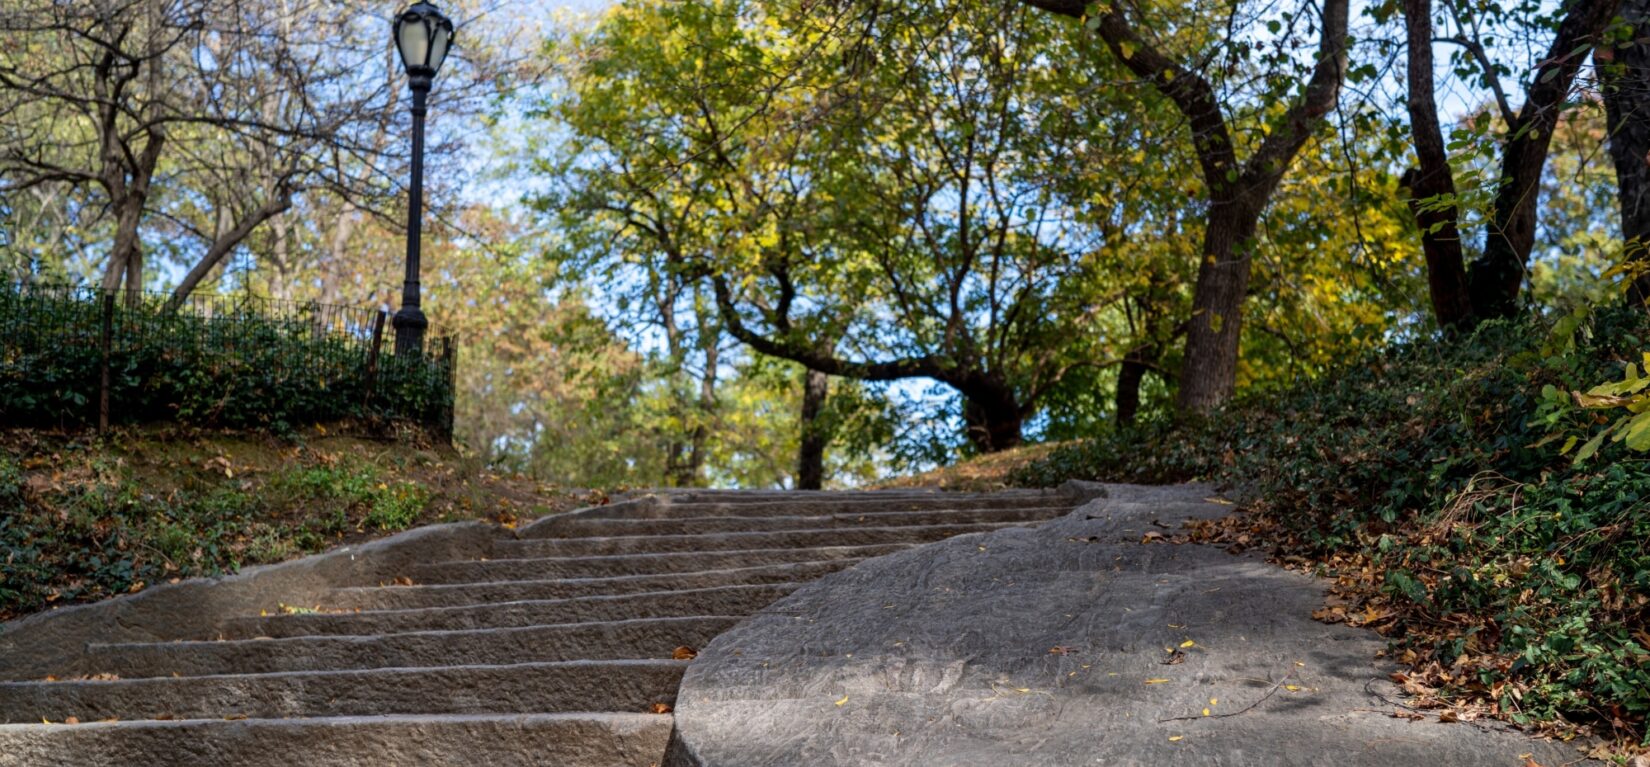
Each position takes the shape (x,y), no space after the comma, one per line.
(1071,644)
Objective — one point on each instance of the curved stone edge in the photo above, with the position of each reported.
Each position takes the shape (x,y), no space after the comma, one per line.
(549,525)
(54,642)
(688,747)
(1088,495)
(642,504)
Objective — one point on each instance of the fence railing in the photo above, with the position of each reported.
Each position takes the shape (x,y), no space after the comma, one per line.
(80,356)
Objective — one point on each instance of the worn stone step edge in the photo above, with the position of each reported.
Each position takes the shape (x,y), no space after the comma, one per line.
(518,568)
(559,686)
(720,600)
(47,642)
(647,638)
(654,507)
(596,527)
(582,739)
(659,544)
(477,592)
(700,495)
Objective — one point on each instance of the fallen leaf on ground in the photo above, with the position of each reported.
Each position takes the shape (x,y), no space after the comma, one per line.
(661,708)
(1157,680)
(1176,738)
(684,653)
(842,702)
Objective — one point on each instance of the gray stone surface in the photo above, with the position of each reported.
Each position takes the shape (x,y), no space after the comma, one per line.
(1046,647)
(722,600)
(635,564)
(563,740)
(864,535)
(617,685)
(610,640)
(456,644)
(54,642)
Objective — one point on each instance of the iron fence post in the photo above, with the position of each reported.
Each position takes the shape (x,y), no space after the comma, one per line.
(105,341)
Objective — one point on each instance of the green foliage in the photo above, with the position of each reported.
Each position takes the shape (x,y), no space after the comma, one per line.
(247,370)
(1442,466)
(88,520)
(925,190)
(396,506)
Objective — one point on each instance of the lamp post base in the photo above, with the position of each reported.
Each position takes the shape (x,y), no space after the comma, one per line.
(409,324)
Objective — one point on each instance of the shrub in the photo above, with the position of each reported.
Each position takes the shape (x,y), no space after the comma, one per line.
(238,366)
(1462,490)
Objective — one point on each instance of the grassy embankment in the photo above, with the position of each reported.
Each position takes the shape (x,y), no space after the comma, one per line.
(84,518)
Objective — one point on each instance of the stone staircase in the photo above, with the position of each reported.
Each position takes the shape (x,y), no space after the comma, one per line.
(559,644)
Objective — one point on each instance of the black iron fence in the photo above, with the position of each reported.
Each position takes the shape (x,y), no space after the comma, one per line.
(80,356)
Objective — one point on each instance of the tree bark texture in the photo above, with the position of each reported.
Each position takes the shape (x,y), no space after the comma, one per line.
(1625,72)
(1238,191)
(810,461)
(1497,276)
(1433,179)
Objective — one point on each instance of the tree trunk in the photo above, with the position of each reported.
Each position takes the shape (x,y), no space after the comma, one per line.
(1440,235)
(134,275)
(1626,77)
(810,462)
(1129,377)
(991,417)
(1209,374)
(1497,276)
(224,242)
(125,245)
(705,407)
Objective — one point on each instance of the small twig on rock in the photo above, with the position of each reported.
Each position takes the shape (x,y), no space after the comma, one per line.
(1269,693)
(1384,699)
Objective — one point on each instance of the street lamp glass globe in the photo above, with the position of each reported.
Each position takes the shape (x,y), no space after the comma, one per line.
(423,36)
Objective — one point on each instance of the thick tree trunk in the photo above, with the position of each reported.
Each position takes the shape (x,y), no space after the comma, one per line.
(1209,374)
(1496,277)
(125,247)
(991,417)
(705,407)
(1129,377)
(1238,192)
(1440,235)
(1626,77)
(810,462)
(134,276)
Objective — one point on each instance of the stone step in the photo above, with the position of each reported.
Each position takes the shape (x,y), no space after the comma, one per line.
(610,685)
(518,740)
(529,568)
(581,526)
(654,638)
(725,600)
(845,496)
(677,508)
(660,544)
(455,594)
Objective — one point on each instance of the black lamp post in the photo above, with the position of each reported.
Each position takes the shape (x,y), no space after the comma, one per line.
(423,36)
